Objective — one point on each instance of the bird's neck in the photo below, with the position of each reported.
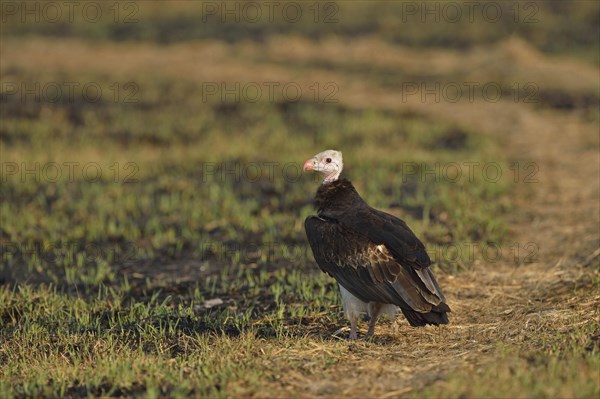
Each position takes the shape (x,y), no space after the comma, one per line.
(339,195)
(332,177)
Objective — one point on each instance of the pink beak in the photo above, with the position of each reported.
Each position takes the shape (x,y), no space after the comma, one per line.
(308,165)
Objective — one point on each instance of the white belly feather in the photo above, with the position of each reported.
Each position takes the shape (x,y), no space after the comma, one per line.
(353,306)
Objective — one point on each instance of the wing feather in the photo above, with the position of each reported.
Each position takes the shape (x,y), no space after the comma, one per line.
(369,269)
(383,228)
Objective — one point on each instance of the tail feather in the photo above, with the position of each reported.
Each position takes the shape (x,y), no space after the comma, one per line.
(435,317)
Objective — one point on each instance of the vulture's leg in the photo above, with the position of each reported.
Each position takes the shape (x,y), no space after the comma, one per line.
(374,312)
(353,326)
(353,307)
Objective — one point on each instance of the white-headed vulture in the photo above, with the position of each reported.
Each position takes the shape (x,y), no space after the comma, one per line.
(377,260)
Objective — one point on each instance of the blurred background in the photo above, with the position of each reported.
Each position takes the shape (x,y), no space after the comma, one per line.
(163,141)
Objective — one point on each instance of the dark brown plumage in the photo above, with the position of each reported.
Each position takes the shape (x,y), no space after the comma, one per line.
(374,256)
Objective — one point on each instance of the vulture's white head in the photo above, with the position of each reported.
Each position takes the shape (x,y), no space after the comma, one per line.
(329,163)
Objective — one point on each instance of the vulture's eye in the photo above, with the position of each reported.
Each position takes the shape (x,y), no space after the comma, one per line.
(328,160)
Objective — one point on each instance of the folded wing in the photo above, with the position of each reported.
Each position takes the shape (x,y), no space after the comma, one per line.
(378,258)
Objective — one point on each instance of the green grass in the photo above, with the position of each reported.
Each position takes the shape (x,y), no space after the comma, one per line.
(131,262)
(163,182)
(106,284)
(128,340)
